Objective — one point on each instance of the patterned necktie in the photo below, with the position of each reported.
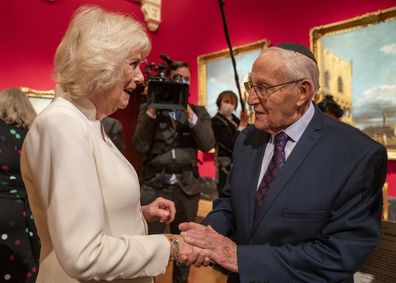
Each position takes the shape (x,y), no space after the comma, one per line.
(275,165)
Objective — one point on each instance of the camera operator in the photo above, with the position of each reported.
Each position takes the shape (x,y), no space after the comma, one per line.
(170,140)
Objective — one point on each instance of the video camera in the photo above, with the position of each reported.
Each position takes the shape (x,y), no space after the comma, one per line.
(164,92)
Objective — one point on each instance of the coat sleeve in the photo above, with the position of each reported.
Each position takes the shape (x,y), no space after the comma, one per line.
(61,168)
(202,131)
(143,136)
(221,217)
(347,239)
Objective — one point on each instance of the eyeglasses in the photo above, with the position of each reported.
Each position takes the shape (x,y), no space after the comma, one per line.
(264,90)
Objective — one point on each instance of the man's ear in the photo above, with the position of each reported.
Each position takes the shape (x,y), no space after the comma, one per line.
(305,91)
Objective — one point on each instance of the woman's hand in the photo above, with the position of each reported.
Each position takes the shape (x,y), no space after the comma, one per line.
(160,209)
(187,254)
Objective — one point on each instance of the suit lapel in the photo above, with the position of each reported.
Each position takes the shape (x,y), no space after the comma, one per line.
(302,148)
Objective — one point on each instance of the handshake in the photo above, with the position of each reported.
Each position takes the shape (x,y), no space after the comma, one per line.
(201,245)
(197,244)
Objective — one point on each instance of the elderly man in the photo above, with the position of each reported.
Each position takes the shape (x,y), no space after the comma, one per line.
(303,200)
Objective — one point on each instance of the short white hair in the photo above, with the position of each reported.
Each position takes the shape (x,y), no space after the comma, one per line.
(299,66)
(90,57)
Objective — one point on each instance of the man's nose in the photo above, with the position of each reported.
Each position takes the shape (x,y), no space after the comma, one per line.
(252,98)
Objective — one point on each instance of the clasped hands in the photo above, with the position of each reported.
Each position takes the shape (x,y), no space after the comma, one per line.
(202,245)
(198,244)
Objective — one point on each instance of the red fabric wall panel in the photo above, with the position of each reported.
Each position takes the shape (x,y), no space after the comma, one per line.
(31,30)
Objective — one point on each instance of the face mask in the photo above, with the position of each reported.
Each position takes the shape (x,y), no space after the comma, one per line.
(226,109)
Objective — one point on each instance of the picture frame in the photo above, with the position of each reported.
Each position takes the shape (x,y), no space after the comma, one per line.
(39,98)
(357,63)
(216,73)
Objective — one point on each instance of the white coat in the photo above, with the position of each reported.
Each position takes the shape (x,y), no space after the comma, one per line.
(85,199)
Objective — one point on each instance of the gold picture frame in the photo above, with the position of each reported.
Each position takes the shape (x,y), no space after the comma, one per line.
(215,72)
(357,62)
(39,98)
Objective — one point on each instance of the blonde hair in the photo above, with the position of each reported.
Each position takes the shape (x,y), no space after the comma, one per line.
(90,57)
(15,108)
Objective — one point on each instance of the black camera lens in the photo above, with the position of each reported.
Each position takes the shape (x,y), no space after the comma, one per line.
(167,94)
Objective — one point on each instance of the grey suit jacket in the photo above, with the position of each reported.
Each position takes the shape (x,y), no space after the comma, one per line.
(321,217)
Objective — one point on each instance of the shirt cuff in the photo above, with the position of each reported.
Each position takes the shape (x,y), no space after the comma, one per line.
(193,120)
(240,129)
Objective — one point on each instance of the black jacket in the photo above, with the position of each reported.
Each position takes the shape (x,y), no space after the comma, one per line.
(171,147)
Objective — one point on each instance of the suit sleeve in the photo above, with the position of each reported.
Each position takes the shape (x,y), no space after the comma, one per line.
(144,133)
(221,217)
(202,131)
(349,236)
(62,168)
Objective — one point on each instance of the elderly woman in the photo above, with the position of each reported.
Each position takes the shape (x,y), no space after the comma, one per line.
(84,194)
(20,246)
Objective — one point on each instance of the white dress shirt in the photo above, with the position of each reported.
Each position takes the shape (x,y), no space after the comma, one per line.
(294,131)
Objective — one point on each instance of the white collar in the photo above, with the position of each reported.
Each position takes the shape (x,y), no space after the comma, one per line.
(83,104)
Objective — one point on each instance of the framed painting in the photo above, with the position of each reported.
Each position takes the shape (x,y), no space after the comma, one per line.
(39,98)
(216,74)
(357,63)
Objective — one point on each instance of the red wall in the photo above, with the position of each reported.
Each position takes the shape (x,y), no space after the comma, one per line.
(30,31)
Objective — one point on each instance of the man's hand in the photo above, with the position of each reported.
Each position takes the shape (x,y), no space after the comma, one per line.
(199,256)
(151,112)
(189,113)
(160,209)
(188,254)
(218,248)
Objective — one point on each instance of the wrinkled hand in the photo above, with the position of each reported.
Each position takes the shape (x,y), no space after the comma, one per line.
(190,255)
(218,248)
(160,209)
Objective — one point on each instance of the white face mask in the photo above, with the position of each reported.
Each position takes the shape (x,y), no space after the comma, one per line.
(226,109)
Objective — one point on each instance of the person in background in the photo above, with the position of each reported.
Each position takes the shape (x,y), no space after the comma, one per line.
(330,107)
(114,130)
(226,128)
(85,196)
(19,243)
(170,141)
(303,199)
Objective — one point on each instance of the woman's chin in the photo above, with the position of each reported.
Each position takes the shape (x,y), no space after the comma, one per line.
(124,100)
(123,105)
